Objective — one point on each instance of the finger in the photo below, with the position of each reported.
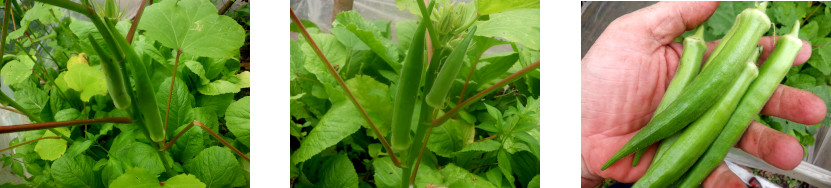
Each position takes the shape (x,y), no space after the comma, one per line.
(659,24)
(796,105)
(768,43)
(722,177)
(776,148)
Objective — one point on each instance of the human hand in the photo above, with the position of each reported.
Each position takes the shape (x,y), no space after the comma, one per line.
(626,72)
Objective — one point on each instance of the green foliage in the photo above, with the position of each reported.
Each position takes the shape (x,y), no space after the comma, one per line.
(494,142)
(53,80)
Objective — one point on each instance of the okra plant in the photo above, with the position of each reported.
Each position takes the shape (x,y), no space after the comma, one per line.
(425,108)
(158,100)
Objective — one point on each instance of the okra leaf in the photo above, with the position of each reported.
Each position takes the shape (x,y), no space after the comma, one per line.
(520,26)
(484,145)
(451,137)
(18,70)
(485,7)
(39,11)
(413,7)
(481,44)
(197,69)
(112,170)
(136,177)
(213,165)
(535,182)
(216,104)
(348,39)
(237,119)
(374,97)
(68,114)
(193,26)
(75,171)
(137,154)
(334,51)
(455,176)
(822,59)
(787,12)
(492,68)
(722,19)
(824,93)
(504,160)
(338,171)
(340,121)
(218,87)
(181,102)
(189,144)
(89,81)
(51,149)
(371,36)
(404,31)
(184,180)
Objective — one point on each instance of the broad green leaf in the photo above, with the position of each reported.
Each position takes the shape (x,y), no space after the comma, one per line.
(374,97)
(485,145)
(78,147)
(722,19)
(51,149)
(181,102)
(535,182)
(136,154)
(821,60)
(388,175)
(16,71)
(214,166)
(404,30)
(824,93)
(193,26)
(334,51)
(348,39)
(32,99)
(451,137)
(204,116)
(340,121)
(89,81)
(492,68)
(525,165)
(68,114)
(39,11)
(413,7)
(298,59)
(197,69)
(520,26)
(237,119)
(218,87)
(136,178)
(480,45)
(338,171)
(455,176)
(786,13)
(112,170)
(189,144)
(504,160)
(216,104)
(184,181)
(486,7)
(75,171)
(369,34)
(245,79)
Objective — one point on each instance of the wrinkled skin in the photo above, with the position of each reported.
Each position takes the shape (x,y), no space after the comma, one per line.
(626,72)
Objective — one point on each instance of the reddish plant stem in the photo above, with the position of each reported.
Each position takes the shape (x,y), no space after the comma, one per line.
(135,22)
(170,94)
(30,141)
(170,144)
(334,73)
(305,78)
(420,153)
(12,110)
(472,68)
(226,7)
(479,95)
(35,126)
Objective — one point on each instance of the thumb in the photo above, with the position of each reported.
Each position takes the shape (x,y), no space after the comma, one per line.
(661,23)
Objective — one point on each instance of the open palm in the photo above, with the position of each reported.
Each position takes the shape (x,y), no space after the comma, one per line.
(626,72)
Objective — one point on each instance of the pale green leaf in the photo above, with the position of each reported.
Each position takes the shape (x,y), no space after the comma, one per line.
(184,181)
(451,137)
(374,97)
(455,176)
(136,178)
(51,149)
(75,171)
(484,145)
(197,69)
(17,71)
(340,121)
(371,36)
(89,81)
(181,102)
(535,182)
(215,166)
(338,171)
(237,119)
(486,7)
(520,26)
(218,87)
(193,26)
(245,79)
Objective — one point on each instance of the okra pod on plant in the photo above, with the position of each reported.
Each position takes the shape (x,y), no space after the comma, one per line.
(705,89)
(688,68)
(407,94)
(115,79)
(448,72)
(695,139)
(771,73)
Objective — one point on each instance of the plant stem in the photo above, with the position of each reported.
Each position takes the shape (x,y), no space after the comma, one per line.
(170,144)
(226,7)
(170,94)
(4,99)
(30,141)
(5,22)
(135,22)
(12,110)
(467,81)
(430,29)
(334,73)
(423,123)
(50,125)
(166,164)
(479,95)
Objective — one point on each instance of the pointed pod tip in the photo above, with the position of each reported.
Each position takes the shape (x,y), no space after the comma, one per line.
(795,29)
